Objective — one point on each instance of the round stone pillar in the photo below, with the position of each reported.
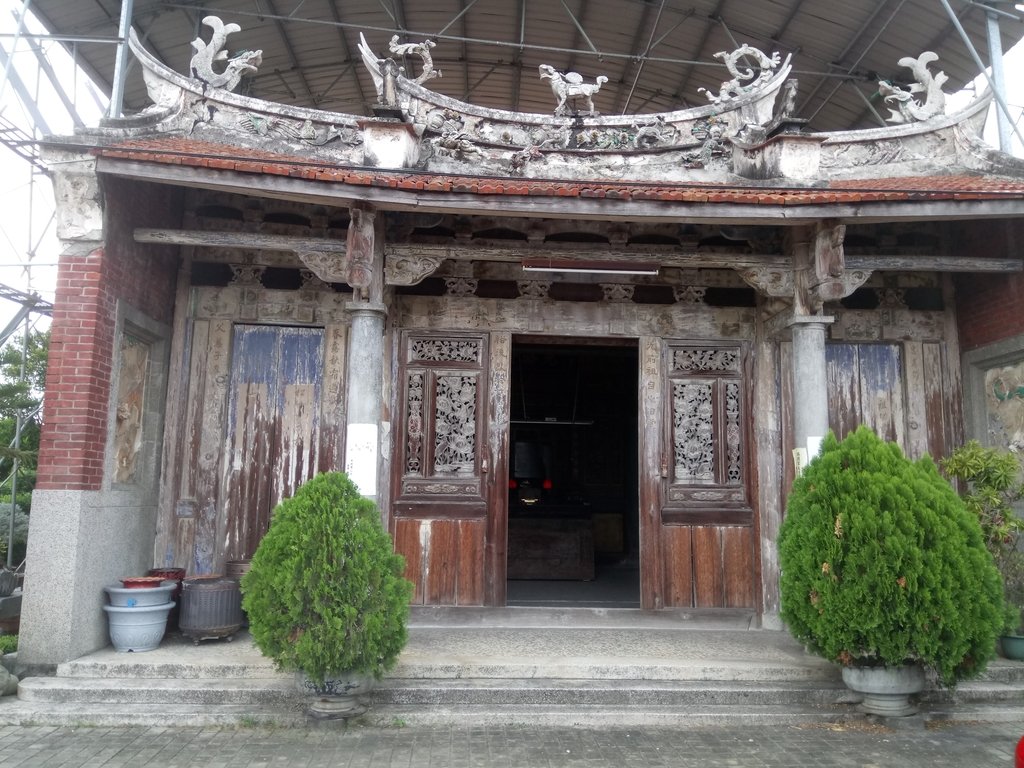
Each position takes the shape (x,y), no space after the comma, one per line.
(365,381)
(810,385)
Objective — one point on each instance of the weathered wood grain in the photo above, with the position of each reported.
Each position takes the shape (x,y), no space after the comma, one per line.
(408,544)
(653,463)
(442,563)
(708,576)
(471,562)
(207,558)
(495,560)
(167,550)
(842,366)
(916,395)
(676,551)
(738,567)
(766,422)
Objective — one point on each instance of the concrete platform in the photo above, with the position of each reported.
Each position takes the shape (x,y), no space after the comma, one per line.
(523,666)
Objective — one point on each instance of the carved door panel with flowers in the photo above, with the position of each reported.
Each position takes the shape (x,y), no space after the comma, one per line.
(701,521)
(441,467)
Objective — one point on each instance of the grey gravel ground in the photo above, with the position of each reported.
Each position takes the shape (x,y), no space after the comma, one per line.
(859,745)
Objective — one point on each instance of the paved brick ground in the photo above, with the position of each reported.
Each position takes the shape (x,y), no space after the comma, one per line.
(964,745)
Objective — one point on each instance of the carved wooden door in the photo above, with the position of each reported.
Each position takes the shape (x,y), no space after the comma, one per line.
(447,515)
(697,542)
(273,426)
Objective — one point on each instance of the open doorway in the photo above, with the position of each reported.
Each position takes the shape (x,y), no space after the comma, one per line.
(573,519)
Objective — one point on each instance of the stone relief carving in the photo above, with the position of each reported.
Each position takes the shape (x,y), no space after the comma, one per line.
(744,79)
(131,392)
(533,289)
(460,286)
(247,274)
(417,49)
(409,270)
(910,108)
(311,282)
(689,294)
(570,90)
(520,159)
(239,65)
(891,298)
(454,143)
(617,292)
(455,425)
(711,132)
(656,134)
(305,132)
(856,326)
(1004,406)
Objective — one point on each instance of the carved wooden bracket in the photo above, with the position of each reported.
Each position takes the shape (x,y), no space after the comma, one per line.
(818,275)
(360,245)
(408,270)
(329,267)
(770,281)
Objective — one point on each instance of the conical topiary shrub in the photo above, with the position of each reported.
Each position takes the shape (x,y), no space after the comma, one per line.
(325,592)
(882,564)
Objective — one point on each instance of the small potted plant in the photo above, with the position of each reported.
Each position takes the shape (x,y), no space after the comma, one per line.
(990,482)
(885,572)
(325,595)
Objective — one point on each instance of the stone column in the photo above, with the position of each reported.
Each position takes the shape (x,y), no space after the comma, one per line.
(810,385)
(365,372)
(365,393)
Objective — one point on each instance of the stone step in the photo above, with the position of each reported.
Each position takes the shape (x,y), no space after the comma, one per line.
(487,692)
(77,714)
(17,712)
(614,693)
(978,691)
(439,692)
(157,690)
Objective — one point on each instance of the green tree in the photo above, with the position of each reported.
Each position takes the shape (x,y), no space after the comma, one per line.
(22,379)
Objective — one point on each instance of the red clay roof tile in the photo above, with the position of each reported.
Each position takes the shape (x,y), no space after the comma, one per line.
(195,152)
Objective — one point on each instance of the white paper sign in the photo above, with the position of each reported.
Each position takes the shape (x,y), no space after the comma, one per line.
(361,457)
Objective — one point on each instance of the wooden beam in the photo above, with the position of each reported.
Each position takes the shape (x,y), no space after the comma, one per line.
(932,264)
(667,256)
(227,239)
(386,199)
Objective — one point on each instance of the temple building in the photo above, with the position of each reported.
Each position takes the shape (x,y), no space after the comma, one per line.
(576,359)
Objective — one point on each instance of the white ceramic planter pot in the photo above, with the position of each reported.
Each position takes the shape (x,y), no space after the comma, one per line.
(139,628)
(338,697)
(139,597)
(887,690)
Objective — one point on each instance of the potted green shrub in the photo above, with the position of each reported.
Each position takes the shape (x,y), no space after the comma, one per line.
(325,594)
(990,482)
(885,572)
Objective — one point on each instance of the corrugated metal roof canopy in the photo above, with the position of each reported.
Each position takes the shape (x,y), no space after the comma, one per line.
(656,53)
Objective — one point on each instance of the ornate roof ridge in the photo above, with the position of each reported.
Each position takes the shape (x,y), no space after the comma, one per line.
(746,130)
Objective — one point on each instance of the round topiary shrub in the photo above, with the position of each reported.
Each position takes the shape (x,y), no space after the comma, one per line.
(325,592)
(882,564)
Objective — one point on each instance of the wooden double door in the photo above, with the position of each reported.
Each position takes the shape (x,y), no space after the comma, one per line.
(691,488)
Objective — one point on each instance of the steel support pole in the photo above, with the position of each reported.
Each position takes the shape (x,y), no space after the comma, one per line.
(121,61)
(995,58)
(1000,98)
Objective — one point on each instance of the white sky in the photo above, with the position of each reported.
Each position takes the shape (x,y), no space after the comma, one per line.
(28,246)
